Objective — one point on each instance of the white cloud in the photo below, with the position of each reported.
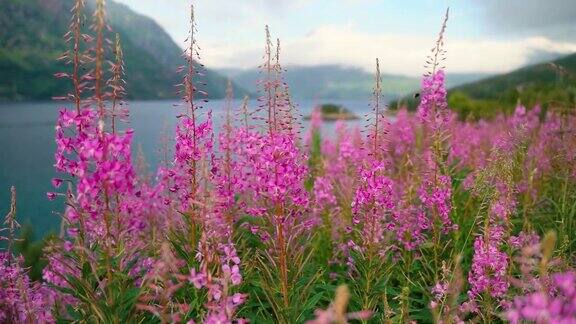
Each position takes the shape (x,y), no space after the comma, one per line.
(217,19)
(237,40)
(403,54)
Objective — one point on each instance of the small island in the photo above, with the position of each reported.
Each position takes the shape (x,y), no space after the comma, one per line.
(332,112)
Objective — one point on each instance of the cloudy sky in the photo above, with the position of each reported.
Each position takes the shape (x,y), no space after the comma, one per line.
(482,35)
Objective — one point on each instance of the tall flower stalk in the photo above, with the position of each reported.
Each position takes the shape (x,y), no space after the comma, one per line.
(21,300)
(99,26)
(75,56)
(435,191)
(116,83)
(193,138)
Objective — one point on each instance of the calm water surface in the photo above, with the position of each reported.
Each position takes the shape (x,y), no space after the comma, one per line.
(27,148)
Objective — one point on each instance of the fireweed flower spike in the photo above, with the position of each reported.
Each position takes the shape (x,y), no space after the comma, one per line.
(75,56)
(100,161)
(267,84)
(272,189)
(285,113)
(105,213)
(116,84)
(432,102)
(435,190)
(488,277)
(373,199)
(202,185)
(379,125)
(10,222)
(225,169)
(21,300)
(99,26)
(194,139)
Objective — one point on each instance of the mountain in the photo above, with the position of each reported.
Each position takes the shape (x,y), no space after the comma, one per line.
(339,82)
(328,82)
(511,86)
(457,79)
(31,40)
(550,84)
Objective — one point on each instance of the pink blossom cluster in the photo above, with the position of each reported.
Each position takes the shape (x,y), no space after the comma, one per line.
(489,266)
(22,301)
(324,193)
(555,304)
(276,169)
(193,145)
(489,272)
(100,163)
(433,106)
(216,250)
(402,137)
(435,194)
(410,224)
(372,205)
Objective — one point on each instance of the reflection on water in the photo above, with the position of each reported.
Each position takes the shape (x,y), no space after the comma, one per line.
(27,148)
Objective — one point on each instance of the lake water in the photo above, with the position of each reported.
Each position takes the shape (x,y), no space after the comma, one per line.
(27,148)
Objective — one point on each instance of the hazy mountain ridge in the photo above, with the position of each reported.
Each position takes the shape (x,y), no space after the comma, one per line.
(339,82)
(545,84)
(542,75)
(31,40)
